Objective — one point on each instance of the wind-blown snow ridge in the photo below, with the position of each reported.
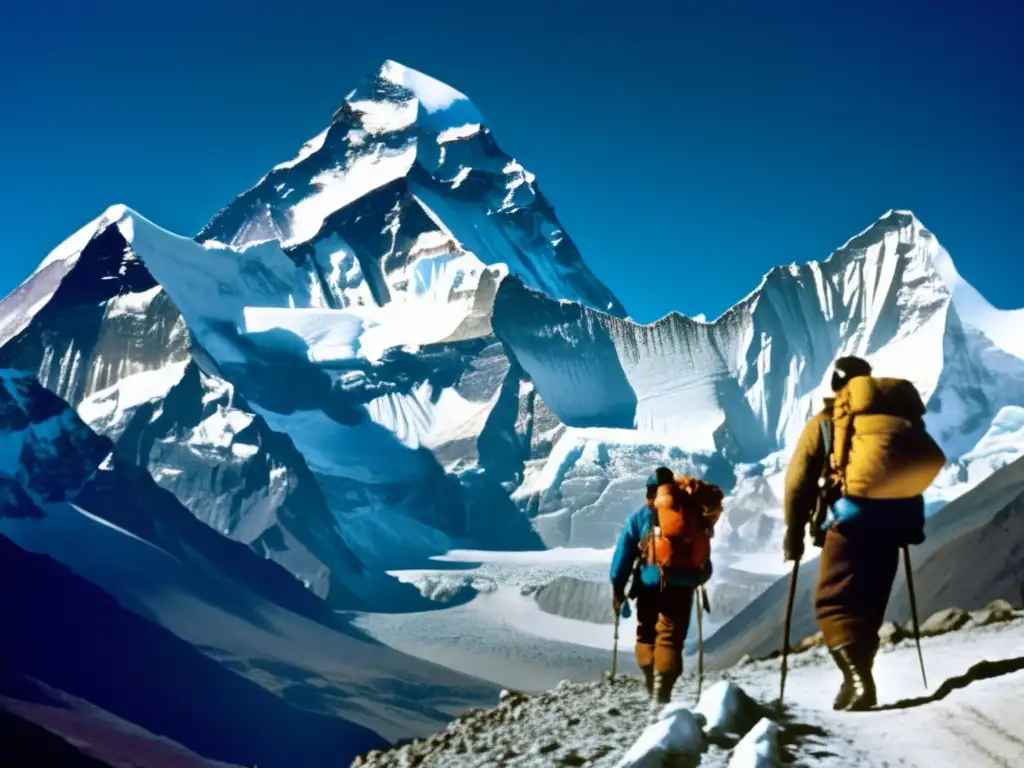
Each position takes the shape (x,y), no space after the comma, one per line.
(432,94)
(71,248)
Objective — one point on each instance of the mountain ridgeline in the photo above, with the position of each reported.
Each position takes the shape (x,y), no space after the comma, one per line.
(389,347)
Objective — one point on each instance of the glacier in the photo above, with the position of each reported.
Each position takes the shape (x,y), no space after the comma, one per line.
(389,348)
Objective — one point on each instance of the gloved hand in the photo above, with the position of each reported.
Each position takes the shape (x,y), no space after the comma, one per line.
(617,600)
(707,572)
(793,545)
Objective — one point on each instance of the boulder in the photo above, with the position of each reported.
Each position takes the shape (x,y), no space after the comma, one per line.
(727,710)
(941,622)
(995,612)
(759,748)
(890,633)
(811,641)
(670,738)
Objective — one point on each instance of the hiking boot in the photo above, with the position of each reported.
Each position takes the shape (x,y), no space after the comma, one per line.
(662,688)
(856,661)
(845,695)
(648,679)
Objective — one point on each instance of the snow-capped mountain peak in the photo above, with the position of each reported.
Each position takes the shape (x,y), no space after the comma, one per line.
(397,83)
(69,250)
(405,160)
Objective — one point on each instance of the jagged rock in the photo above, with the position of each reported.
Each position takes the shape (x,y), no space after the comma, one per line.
(994,613)
(727,711)
(890,633)
(509,698)
(941,622)
(759,748)
(678,735)
(811,641)
(547,747)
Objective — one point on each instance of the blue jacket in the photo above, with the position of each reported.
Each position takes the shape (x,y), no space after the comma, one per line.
(899,520)
(637,526)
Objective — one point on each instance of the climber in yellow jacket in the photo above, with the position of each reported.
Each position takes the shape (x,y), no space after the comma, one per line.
(864,460)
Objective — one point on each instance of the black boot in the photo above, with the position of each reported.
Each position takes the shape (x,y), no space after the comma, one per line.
(662,688)
(648,679)
(842,700)
(856,660)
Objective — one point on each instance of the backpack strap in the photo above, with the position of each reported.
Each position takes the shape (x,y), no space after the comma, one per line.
(826,427)
(823,498)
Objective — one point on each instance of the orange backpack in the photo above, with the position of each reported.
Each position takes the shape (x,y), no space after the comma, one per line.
(683,520)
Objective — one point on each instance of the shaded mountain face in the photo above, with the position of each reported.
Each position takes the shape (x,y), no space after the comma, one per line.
(390,348)
(238,618)
(75,638)
(48,455)
(91,315)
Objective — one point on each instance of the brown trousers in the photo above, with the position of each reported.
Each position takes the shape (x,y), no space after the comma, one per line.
(855,577)
(662,621)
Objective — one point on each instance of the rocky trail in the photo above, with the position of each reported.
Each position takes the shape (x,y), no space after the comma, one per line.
(968,716)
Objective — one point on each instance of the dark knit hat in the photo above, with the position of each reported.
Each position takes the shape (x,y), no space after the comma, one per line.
(847,368)
(661,476)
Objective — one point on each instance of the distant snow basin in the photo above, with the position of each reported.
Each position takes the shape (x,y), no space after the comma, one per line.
(544,558)
(764,563)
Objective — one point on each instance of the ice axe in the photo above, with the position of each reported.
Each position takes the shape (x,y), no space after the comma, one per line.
(785,631)
(913,611)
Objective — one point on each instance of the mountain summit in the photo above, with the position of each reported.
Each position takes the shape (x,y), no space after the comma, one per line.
(407,173)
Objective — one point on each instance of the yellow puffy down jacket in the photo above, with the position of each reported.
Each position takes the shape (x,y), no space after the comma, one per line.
(881,449)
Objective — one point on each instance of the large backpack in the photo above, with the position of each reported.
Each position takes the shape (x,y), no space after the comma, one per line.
(881,449)
(683,518)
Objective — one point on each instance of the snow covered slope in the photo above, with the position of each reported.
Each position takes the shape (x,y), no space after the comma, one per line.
(65,495)
(67,638)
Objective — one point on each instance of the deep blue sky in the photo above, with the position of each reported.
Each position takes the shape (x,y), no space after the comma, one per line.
(687,146)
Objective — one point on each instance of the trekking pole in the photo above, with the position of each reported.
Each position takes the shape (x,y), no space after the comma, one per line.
(913,612)
(615,649)
(700,642)
(785,631)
